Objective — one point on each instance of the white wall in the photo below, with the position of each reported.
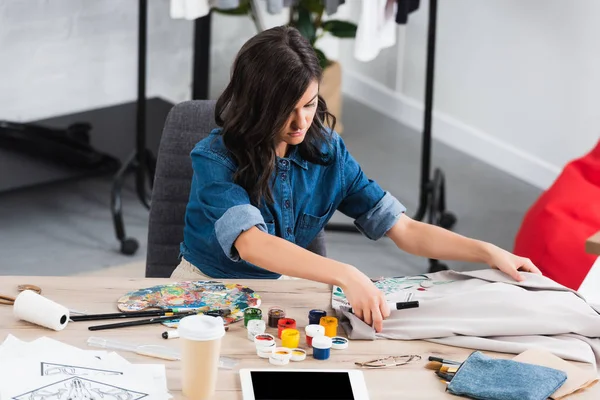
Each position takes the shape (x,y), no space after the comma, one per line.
(517,82)
(63,56)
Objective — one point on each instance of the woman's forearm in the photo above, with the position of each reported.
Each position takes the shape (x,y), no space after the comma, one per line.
(431,241)
(280,256)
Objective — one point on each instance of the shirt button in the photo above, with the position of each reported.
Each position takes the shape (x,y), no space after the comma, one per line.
(283,175)
(289,230)
(287,204)
(284,163)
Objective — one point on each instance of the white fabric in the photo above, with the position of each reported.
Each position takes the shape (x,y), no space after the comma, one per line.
(487,310)
(590,287)
(189,9)
(376,28)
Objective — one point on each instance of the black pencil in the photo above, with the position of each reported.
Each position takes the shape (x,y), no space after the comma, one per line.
(133,314)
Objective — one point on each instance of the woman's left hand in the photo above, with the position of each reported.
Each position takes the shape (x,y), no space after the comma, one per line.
(510,263)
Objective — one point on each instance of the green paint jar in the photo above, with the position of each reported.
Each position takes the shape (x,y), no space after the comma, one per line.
(251,313)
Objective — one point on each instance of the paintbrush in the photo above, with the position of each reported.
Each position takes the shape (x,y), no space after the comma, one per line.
(447,377)
(438,366)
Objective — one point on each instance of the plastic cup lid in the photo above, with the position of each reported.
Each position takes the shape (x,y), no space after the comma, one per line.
(257,325)
(314,330)
(201,327)
(265,352)
(298,354)
(339,343)
(321,342)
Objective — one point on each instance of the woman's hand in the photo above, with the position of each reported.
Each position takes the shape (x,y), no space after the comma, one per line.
(510,263)
(367,301)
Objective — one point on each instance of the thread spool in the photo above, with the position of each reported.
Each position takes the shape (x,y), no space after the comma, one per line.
(330,324)
(251,313)
(285,323)
(321,347)
(255,327)
(314,316)
(274,315)
(32,307)
(290,338)
(312,331)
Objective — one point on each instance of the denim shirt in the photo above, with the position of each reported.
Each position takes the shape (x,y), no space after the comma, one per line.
(305,194)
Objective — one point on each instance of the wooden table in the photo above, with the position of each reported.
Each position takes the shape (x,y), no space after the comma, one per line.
(99,295)
(592,245)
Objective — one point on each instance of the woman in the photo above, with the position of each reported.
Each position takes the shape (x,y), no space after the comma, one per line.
(270,178)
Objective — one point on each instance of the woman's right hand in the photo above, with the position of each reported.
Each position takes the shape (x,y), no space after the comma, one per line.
(367,301)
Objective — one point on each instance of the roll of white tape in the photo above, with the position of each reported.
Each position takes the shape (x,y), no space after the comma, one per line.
(32,307)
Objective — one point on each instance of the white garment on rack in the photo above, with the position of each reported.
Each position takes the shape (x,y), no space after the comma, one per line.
(376,28)
(189,9)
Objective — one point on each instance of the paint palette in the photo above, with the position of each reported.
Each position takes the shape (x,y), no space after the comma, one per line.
(203,295)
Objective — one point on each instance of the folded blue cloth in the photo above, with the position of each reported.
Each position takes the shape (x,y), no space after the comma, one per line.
(482,377)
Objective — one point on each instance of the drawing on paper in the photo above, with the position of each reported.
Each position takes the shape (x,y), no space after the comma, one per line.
(80,389)
(49,369)
(203,295)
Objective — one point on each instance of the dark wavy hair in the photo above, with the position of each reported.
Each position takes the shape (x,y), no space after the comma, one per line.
(270,74)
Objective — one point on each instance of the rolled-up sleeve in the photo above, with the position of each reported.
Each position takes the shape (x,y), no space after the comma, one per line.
(374,210)
(224,203)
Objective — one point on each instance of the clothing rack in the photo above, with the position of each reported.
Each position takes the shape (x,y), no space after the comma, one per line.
(142,161)
(432,196)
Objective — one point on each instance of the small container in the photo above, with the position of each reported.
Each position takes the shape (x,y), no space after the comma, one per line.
(251,313)
(298,355)
(264,340)
(330,324)
(275,314)
(285,323)
(339,343)
(321,347)
(255,327)
(290,338)
(282,353)
(314,316)
(313,331)
(265,351)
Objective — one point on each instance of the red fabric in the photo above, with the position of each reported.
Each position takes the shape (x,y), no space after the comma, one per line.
(555,228)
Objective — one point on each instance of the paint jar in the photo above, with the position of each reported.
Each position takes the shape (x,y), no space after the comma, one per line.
(321,347)
(285,323)
(298,354)
(251,313)
(275,313)
(313,331)
(281,356)
(264,340)
(265,352)
(330,324)
(290,338)
(314,316)
(255,327)
(265,344)
(339,343)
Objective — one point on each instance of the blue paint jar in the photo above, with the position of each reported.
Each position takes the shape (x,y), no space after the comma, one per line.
(321,347)
(314,316)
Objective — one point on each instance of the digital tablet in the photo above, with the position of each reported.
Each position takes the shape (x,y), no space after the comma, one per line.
(303,384)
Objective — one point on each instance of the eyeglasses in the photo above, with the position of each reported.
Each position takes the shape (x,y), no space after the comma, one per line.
(391,361)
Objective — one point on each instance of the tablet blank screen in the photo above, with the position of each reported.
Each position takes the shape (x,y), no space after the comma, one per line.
(309,385)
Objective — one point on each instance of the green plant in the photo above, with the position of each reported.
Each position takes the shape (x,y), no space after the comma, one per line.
(307,17)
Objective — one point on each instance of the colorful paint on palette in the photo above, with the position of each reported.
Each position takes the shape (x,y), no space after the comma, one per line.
(201,295)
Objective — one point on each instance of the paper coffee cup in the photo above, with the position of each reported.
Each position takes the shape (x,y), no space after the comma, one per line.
(200,337)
